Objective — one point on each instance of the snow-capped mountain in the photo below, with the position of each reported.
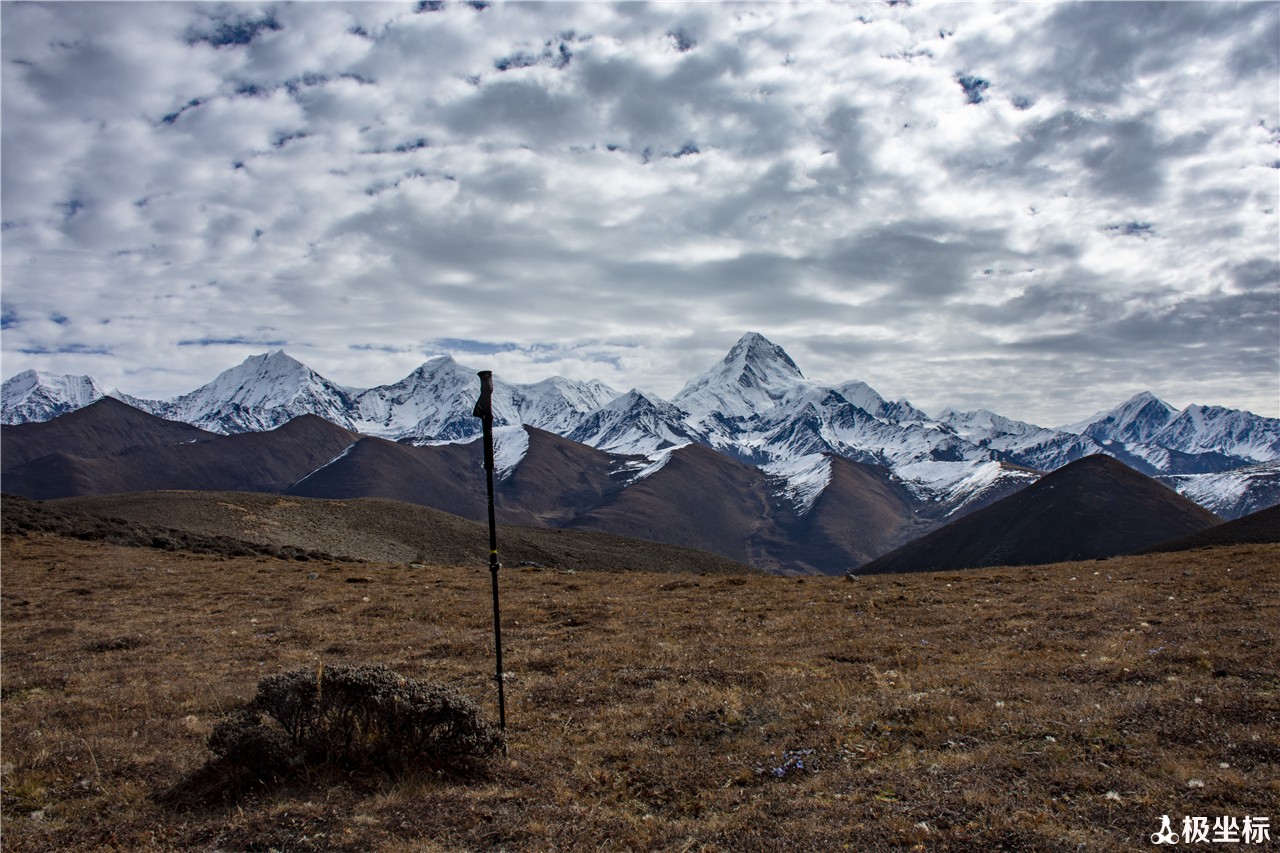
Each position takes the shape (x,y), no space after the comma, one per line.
(635,424)
(1214,429)
(557,404)
(1156,438)
(755,376)
(1017,441)
(431,404)
(1135,421)
(819,419)
(758,406)
(754,405)
(34,396)
(261,393)
(1234,493)
(864,397)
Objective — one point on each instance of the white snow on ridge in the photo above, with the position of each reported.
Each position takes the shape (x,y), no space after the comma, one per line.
(633,424)
(558,404)
(1214,428)
(861,395)
(510,444)
(983,424)
(1214,489)
(806,476)
(954,481)
(653,462)
(1231,493)
(426,403)
(1139,418)
(307,476)
(34,395)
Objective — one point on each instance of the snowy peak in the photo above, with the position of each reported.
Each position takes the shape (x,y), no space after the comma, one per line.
(34,396)
(273,378)
(1209,429)
(261,393)
(1017,441)
(634,423)
(983,424)
(902,412)
(1154,432)
(862,395)
(432,403)
(754,352)
(754,376)
(440,372)
(558,404)
(1135,420)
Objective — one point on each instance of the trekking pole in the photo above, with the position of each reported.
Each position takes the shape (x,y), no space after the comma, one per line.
(484,411)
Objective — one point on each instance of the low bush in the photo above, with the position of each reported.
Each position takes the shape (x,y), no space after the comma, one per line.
(355,718)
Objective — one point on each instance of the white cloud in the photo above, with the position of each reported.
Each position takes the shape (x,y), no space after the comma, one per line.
(1035,208)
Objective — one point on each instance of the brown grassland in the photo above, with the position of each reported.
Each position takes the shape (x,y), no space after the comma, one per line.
(1063,707)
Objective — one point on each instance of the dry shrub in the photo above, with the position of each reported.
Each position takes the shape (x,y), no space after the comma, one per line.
(355,718)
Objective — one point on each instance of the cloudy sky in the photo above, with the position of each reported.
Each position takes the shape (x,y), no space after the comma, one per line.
(1040,209)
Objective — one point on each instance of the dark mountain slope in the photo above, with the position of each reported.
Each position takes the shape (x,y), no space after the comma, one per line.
(103,428)
(252,462)
(1094,507)
(861,514)
(365,529)
(59,475)
(557,480)
(698,499)
(1260,527)
(448,477)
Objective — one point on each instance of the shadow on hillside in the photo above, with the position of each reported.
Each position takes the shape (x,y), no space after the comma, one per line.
(23,515)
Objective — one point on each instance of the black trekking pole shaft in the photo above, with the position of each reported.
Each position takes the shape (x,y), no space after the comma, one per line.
(484,411)
(494,565)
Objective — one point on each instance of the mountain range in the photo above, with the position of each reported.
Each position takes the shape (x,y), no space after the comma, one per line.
(750,459)
(755,405)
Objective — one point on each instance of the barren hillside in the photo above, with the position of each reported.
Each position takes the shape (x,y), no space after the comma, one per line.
(357,529)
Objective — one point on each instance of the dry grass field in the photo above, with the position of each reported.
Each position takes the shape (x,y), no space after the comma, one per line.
(1062,707)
